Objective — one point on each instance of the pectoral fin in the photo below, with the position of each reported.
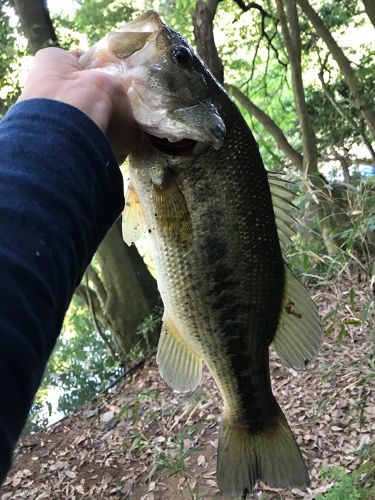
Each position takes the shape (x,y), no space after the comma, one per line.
(133,225)
(171,213)
(179,366)
(299,332)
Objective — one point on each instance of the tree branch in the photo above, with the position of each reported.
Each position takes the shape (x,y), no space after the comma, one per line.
(285,28)
(101,292)
(203,17)
(344,164)
(267,122)
(359,100)
(370,10)
(291,33)
(264,14)
(98,329)
(36,23)
(252,5)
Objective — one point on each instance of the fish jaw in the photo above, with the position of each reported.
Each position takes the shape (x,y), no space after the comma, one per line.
(165,81)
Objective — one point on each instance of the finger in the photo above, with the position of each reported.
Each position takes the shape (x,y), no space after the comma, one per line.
(76,53)
(48,53)
(123,131)
(54,56)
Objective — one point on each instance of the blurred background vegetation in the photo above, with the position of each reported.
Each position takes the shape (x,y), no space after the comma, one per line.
(302,73)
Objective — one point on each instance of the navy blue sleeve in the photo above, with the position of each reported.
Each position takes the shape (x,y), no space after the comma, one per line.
(60,192)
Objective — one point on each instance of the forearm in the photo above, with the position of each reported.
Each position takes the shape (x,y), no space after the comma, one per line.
(60,191)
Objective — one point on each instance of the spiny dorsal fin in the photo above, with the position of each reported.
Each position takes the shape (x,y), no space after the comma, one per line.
(179,366)
(283,208)
(133,225)
(299,332)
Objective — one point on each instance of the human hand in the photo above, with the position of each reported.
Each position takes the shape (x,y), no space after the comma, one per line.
(56,74)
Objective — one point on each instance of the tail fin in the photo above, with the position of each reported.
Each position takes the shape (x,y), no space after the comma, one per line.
(272,456)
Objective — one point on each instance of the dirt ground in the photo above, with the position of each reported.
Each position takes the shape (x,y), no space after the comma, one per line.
(143,441)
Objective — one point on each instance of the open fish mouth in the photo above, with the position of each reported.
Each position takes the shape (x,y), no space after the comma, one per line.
(184,147)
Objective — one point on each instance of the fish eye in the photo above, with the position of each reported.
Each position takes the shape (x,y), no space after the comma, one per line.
(181,55)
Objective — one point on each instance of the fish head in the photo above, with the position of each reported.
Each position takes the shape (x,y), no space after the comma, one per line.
(168,86)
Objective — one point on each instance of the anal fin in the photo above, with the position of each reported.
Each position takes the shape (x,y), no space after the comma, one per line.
(179,366)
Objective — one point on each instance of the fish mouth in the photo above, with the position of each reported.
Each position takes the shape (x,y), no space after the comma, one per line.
(184,147)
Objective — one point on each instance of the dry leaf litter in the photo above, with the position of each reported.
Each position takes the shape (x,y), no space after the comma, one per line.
(143,441)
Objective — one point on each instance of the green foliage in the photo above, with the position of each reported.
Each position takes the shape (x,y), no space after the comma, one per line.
(171,449)
(78,369)
(150,326)
(173,457)
(148,332)
(351,486)
(339,14)
(252,65)
(331,128)
(354,237)
(67,36)
(96,18)
(81,365)
(177,13)
(40,413)
(10,54)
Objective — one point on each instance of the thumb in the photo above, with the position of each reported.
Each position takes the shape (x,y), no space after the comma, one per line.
(122,132)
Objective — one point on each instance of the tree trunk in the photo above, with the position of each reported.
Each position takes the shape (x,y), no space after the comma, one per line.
(294,156)
(126,292)
(36,23)
(203,17)
(288,17)
(360,101)
(292,38)
(344,163)
(131,292)
(370,10)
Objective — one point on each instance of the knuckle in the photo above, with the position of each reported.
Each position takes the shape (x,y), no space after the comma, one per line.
(47,52)
(105,82)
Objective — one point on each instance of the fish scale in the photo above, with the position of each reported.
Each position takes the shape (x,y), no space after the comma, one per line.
(198,187)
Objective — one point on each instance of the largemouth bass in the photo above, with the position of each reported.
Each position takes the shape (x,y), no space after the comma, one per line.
(216,222)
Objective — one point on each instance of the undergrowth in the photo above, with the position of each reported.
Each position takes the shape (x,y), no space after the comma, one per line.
(359,484)
(168,448)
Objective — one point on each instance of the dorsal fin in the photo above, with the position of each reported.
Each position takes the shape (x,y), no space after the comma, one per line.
(299,332)
(283,208)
